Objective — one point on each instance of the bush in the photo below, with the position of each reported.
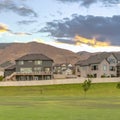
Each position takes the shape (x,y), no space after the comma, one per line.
(1,78)
(90,76)
(118,85)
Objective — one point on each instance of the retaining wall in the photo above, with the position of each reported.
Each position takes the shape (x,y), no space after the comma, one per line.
(57,81)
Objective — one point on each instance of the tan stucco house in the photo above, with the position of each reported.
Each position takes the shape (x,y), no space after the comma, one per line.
(100,65)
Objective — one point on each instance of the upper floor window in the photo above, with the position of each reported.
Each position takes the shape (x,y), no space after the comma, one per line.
(111,60)
(26,70)
(105,67)
(37,69)
(47,69)
(21,62)
(38,62)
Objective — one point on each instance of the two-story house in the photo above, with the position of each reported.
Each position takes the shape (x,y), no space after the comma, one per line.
(117,55)
(31,67)
(100,65)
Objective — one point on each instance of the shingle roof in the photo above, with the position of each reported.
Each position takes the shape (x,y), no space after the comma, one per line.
(117,55)
(6,64)
(94,59)
(11,67)
(34,57)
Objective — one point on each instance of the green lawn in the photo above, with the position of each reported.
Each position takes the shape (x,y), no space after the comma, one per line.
(60,102)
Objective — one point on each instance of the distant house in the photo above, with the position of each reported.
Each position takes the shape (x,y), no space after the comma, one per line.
(31,67)
(63,68)
(100,65)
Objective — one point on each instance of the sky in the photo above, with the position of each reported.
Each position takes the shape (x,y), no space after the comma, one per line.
(76,25)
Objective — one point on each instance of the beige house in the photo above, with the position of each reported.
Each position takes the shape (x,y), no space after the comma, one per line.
(100,65)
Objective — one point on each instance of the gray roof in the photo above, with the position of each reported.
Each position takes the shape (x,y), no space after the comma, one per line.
(34,57)
(117,55)
(11,67)
(94,59)
(6,64)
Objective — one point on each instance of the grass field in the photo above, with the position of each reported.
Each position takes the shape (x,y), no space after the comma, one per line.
(60,102)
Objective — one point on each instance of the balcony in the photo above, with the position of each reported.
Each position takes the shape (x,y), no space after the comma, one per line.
(34,73)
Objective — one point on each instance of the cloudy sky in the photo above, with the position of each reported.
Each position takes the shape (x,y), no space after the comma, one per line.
(77,25)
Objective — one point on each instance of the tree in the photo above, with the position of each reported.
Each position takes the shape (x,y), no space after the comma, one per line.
(86,85)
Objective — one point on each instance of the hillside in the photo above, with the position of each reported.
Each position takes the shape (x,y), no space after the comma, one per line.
(13,51)
(85,55)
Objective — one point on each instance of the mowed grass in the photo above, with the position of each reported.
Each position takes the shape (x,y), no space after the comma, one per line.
(60,102)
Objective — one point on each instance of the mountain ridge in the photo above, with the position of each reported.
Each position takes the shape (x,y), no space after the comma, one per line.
(12,51)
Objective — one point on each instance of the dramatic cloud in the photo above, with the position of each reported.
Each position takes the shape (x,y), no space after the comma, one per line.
(102,29)
(22,10)
(3,28)
(26,22)
(89,2)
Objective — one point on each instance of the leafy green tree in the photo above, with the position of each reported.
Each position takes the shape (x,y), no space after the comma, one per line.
(86,86)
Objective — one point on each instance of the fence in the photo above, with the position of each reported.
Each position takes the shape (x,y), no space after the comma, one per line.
(57,81)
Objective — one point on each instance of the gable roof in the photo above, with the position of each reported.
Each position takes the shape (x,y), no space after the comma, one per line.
(34,57)
(117,55)
(6,64)
(11,67)
(94,59)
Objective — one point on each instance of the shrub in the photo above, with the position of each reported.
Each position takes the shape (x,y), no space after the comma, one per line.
(1,78)
(118,85)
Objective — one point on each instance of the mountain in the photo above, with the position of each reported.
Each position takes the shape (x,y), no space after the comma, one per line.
(12,51)
(84,55)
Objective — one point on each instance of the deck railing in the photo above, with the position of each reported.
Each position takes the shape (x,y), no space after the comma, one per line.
(34,73)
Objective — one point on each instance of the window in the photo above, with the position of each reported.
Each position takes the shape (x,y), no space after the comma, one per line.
(105,67)
(94,67)
(111,60)
(30,61)
(112,68)
(94,75)
(21,62)
(47,69)
(38,62)
(37,69)
(26,70)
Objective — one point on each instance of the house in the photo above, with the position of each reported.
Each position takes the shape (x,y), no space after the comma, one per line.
(5,65)
(31,67)
(63,68)
(100,65)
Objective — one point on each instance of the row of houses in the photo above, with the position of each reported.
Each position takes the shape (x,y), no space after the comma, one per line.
(41,67)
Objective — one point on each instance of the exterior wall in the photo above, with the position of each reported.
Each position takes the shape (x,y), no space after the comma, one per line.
(102,71)
(8,72)
(94,72)
(57,81)
(28,64)
(83,71)
(118,70)
(112,63)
